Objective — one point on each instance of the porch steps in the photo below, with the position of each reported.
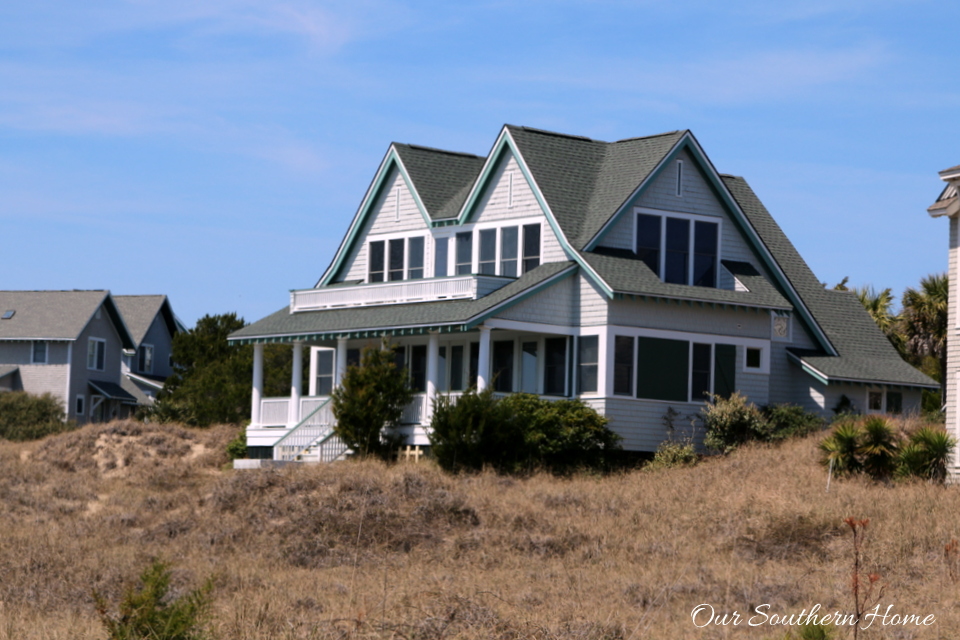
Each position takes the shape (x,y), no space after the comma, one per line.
(312,439)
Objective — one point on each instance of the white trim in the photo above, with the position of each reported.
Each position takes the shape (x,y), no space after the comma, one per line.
(510,189)
(69,375)
(764,360)
(146,381)
(396,192)
(91,340)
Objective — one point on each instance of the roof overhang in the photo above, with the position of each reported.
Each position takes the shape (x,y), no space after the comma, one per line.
(112,391)
(825,379)
(949,207)
(154,384)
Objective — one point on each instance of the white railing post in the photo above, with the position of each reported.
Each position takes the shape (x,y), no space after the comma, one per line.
(341,360)
(296,383)
(257,395)
(483,361)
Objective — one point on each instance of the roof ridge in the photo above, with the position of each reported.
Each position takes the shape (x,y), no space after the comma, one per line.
(655,135)
(436,150)
(53,290)
(558,134)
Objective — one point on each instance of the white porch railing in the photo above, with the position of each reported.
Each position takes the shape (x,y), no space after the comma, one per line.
(468,287)
(274,412)
(315,426)
(414,412)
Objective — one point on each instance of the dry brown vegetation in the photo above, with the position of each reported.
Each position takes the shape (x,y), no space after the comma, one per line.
(366,550)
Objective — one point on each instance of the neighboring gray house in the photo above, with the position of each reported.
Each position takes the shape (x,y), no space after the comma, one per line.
(629,274)
(69,344)
(152,325)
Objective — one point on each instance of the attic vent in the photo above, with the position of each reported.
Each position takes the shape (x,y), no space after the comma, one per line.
(8,314)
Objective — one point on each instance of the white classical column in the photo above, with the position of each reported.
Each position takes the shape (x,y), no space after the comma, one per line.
(341,360)
(483,362)
(257,394)
(296,383)
(433,369)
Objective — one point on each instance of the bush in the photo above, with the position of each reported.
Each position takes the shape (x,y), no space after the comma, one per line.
(791,421)
(144,615)
(926,454)
(520,432)
(671,453)
(731,422)
(24,416)
(370,398)
(237,448)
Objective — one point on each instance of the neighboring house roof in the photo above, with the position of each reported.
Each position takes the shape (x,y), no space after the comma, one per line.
(128,385)
(442,179)
(946,204)
(284,326)
(112,390)
(139,312)
(8,369)
(56,315)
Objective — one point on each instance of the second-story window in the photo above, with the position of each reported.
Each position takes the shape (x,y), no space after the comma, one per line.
(96,354)
(39,352)
(145,358)
(377,263)
(415,259)
(531,246)
(488,252)
(464,253)
(440,257)
(508,252)
(395,259)
(679,250)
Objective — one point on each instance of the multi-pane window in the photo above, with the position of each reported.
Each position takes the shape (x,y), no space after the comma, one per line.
(528,367)
(324,372)
(555,366)
(681,371)
(503,366)
(415,259)
(531,246)
(39,355)
(488,251)
(377,263)
(96,353)
(440,257)
(588,361)
(679,250)
(894,402)
(884,401)
(508,251)
(700,371)
(396,259)
(145,358)
(464,242)
(623,357)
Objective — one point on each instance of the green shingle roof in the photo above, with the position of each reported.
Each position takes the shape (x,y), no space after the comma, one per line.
(326,324)
(442,178)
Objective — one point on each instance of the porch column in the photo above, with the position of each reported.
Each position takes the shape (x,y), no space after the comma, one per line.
(433,366)
(296,384)
(341,360)
(257,394)
(483,362)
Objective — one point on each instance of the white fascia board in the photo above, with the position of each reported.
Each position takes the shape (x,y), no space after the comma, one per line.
(150,383)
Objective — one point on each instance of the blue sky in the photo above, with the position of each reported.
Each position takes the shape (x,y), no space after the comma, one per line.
(216,151)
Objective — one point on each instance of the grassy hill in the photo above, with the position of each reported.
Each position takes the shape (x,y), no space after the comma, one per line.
(372,551)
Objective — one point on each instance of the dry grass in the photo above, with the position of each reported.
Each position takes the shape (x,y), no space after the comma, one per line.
(364,550)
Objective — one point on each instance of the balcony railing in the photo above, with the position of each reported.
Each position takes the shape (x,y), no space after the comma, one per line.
(469,287)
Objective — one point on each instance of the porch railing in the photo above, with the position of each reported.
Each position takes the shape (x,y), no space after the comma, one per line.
(315,426)
(274,412)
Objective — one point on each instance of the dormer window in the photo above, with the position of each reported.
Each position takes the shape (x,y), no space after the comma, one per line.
(679,248)
(396,259)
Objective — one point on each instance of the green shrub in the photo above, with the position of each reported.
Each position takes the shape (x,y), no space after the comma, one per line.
(791,421)
(731,422)
(145,613)
(842,448)
(369,399)
(24,416)
(926,454)
(520,432)
(878,447)
(671,453)
(237,448)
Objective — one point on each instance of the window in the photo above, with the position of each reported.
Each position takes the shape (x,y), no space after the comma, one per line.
(456,367)
(555,366)
(80,405)
(96,351)
(324,372)
(488,251)
(508,251)
(875,401)
(145,358)
(396,259)
(894,402)
(528,367)
(353,357)
(464,253)
(588,359)
(681,371)
(441,249)
(531,246)
(376,261)
(623,357)
(415,259)
(474,364)
(39,355)
(418,367)
(503,366)
(884,401)
(9,314)
(679,250)
(753,359)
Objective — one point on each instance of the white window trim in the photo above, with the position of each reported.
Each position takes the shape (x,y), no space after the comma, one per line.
(46,352)
(94,367)
(406,237)
(884,408)
(152,354)
(693,217)
(764,367)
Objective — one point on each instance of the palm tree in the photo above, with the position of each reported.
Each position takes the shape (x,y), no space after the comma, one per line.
(924,321)
(879,306)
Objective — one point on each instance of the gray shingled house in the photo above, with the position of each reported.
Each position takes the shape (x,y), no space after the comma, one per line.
(629,274)
(152,326)
(69,344)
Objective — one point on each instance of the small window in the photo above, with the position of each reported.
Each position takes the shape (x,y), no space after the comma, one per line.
(531,247)
(441,248)
(324,372)
(488,251)
(508,251)
(894,402)
(623,358)
(588,363)
(145,358)
(875,401)
(96,354)
(377,261)
(353,357)
(753,358)
(396,259)
(39,352)
(464,253)
(415,259)
(81,401)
